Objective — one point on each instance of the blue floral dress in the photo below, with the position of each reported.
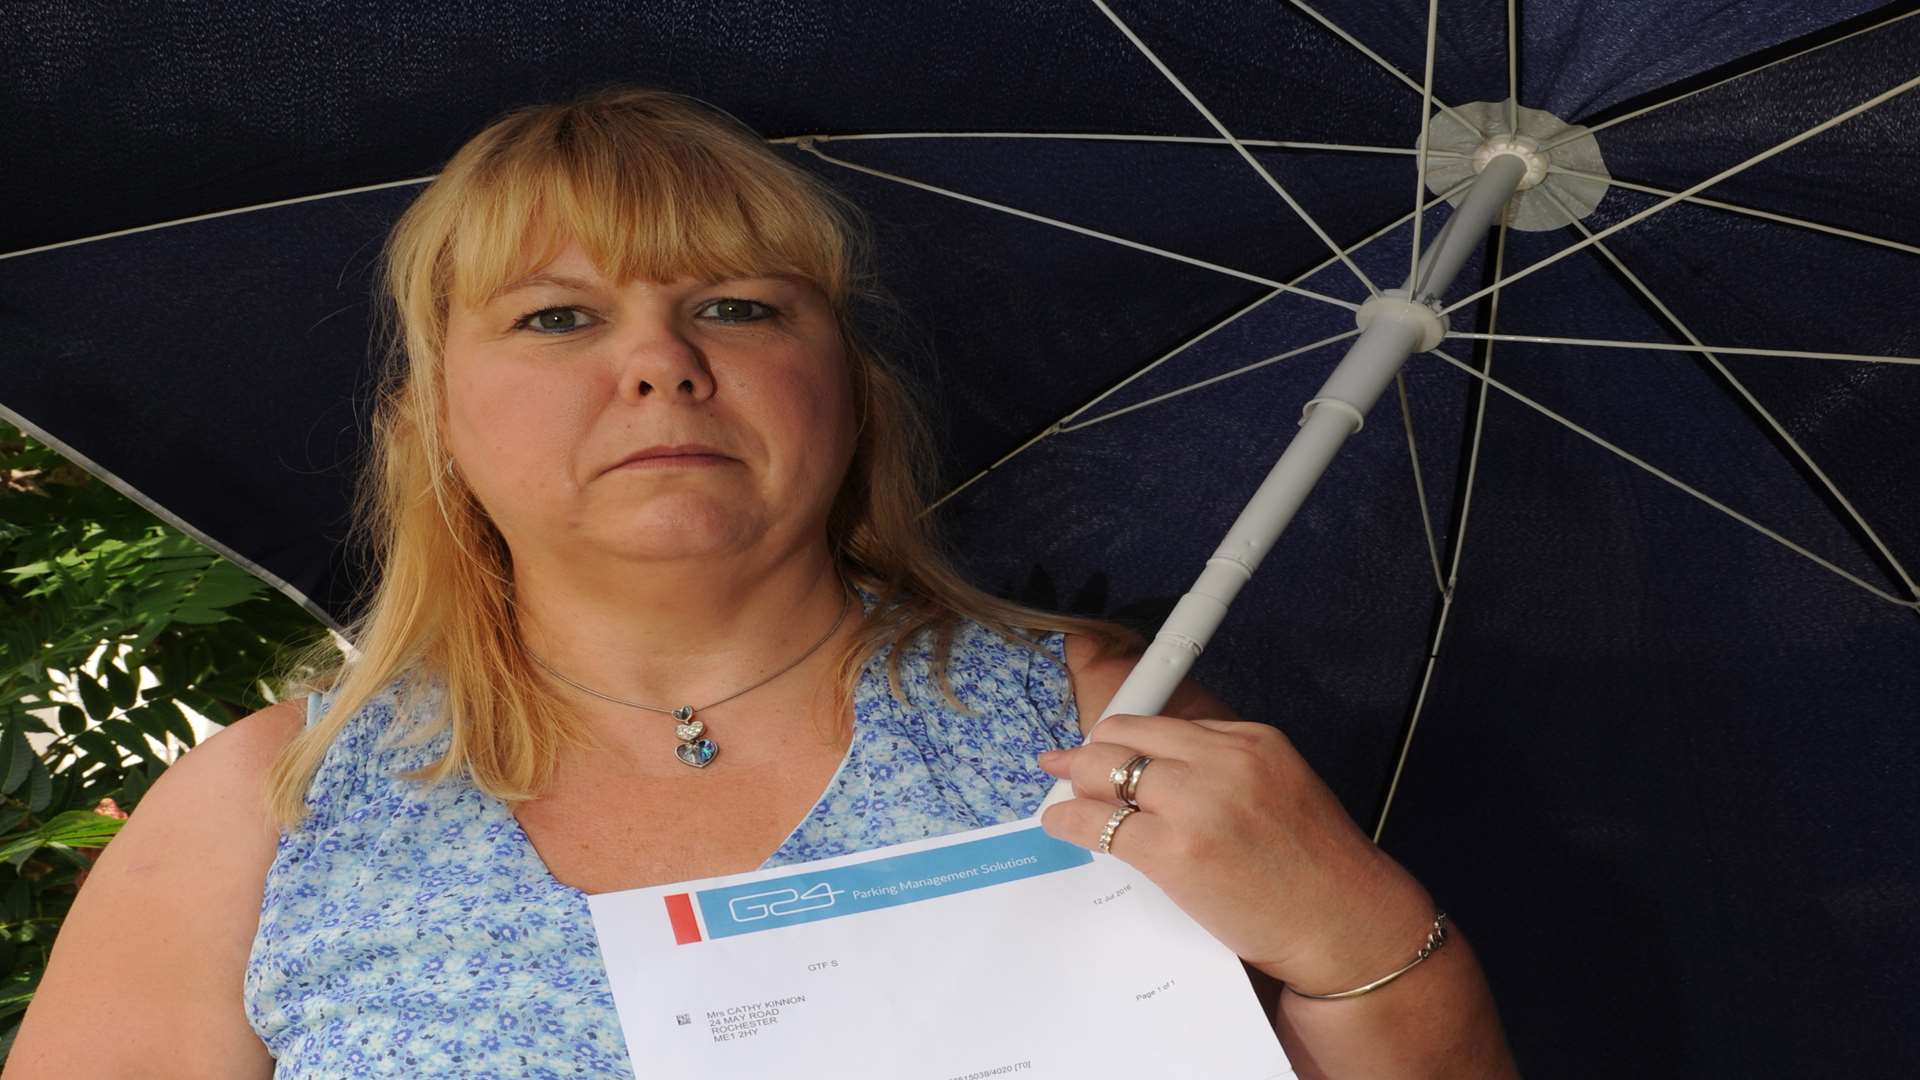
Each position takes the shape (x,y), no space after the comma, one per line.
(408,930)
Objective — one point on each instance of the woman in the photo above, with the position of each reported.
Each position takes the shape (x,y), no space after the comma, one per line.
(639,492)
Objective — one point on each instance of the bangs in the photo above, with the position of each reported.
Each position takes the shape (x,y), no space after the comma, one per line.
(646,197)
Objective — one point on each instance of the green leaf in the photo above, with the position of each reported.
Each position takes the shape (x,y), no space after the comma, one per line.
(99,747)
(93,695)
(224,585)
(120,685)
(126,734)
(81,828)
(72,720)
(63,857)
(208,706)
(75,828)
(174,716)
(64,783)
(132,789)
(12,1002)
(147,719)
(39,787)
(163,659)
(199,660)
(20,759)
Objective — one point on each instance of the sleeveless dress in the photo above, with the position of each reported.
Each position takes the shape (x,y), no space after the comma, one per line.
(408,930)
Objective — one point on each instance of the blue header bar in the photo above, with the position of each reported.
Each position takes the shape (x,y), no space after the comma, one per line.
(886,882)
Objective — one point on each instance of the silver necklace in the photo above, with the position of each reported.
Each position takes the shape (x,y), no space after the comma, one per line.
(693,749)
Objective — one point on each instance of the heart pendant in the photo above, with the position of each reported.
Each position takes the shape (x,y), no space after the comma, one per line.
(689,731)
(683,714)
(697,754)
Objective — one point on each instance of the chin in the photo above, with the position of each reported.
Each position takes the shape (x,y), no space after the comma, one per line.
(682,529)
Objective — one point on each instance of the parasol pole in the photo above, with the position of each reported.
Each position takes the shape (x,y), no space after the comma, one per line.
(1394,325)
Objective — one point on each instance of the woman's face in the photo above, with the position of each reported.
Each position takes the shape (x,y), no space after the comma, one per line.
(552,384)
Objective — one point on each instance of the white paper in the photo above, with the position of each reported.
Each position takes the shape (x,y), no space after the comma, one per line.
(986,953)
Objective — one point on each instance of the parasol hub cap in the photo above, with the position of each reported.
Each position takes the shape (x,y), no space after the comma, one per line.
(1394,304)
(1520,146)
(1566,174)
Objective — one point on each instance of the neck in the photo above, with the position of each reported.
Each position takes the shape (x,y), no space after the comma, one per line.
(694,637)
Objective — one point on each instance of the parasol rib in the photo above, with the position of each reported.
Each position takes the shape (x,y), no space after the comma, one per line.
(1055,427)
(1479,425)
(1278,188)
(1081,229)
(1419,482)
(1513,66)
(1388,68)
(1081,136)
(1592,129)
(108,477)
(1668,346)
(213,214)
(1877,99)
(1747,396)
(1767,215)
(1059,425)
(1523,399)
(1420,162)
(1222,377)
(1459,545)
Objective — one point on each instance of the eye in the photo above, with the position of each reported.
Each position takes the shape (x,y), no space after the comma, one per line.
(736,310)
(543,321)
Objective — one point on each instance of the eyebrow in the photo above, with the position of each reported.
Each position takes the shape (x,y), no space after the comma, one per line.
(585,284)
(542,279)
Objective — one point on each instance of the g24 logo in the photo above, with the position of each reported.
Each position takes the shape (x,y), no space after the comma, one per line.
(781,902)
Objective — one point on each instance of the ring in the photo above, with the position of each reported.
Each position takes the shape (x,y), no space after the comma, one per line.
(1113,823)
(1126,779)
(1136,768)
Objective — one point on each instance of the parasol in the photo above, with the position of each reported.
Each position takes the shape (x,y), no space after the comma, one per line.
(1603,617)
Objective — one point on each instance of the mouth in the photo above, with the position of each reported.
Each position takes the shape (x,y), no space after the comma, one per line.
(677,461)
(687,456)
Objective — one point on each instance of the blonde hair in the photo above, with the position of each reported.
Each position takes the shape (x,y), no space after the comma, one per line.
(653,185)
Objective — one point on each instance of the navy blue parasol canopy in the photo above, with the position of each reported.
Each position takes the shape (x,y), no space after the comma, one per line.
(1605,621)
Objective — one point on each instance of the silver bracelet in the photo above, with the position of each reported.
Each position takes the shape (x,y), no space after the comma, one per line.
(1436,937)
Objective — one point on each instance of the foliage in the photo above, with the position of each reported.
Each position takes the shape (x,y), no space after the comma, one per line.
(85,569)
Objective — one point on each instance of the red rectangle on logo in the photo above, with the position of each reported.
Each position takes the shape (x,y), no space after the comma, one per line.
(680,912)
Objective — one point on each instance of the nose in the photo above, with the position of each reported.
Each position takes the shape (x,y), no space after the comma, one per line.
(663,360)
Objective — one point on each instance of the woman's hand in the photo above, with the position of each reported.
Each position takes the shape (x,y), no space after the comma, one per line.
(1239,832)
